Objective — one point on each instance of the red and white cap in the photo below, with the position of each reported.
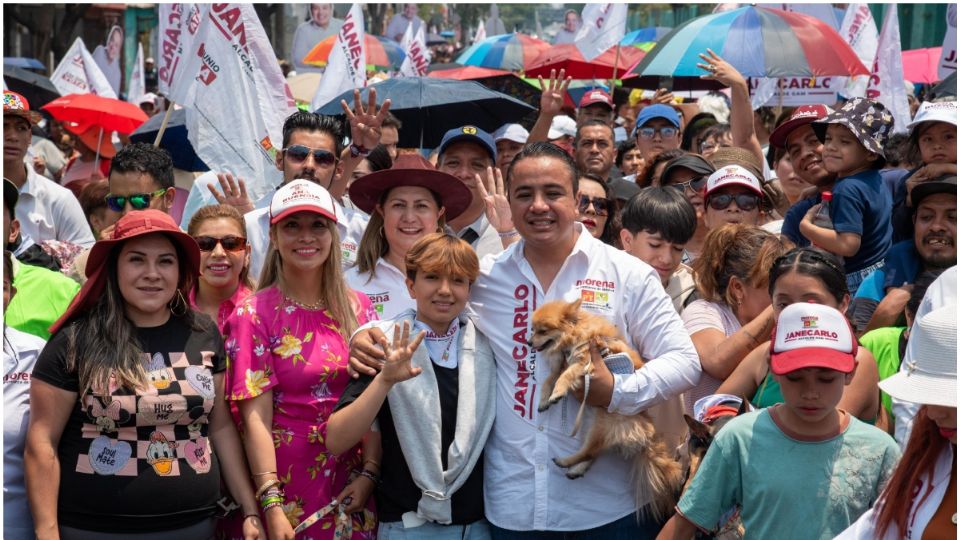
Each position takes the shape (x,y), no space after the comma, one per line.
(302,196)
(596,96)
(809,335)
(733,175)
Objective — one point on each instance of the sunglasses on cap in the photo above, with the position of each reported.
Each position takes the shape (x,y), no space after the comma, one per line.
(139,201)
(745,201)
(229,242)
(601,205)
(666,132)
(298,153)
(696,185)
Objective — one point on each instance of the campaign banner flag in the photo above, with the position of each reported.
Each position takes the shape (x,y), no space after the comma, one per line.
(418,56)
(137,87)
(78,73)
(347,64)
(481,33)
(235,96)
(794,91)
(177,28)
(948,57)
(886,76)
(860,31)
(604,25)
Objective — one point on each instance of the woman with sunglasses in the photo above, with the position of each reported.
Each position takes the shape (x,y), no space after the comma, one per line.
(288,366)
(224,261)
(806,275)
(129,430)
(732,195)
(688,173)
(596,208)
(406,202)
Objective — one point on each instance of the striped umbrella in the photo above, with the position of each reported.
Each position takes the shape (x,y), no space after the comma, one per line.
(382,53)
(644,38)
(510,52)
(758,41)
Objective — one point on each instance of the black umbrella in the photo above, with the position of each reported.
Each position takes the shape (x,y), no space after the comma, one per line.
(946,87)
(35,87)
(429,107)
(174,140)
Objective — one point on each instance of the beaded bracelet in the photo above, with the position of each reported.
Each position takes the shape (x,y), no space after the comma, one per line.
(272,492)
(272,505)
(266,485)
(269,501)
(369,475)
(508,234)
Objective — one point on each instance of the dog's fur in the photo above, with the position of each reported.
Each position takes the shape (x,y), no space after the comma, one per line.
(562,333)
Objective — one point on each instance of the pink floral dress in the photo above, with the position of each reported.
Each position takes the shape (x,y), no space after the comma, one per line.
(299,354)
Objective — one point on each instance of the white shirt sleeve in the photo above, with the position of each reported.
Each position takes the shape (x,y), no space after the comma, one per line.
(72,225)
(672,365)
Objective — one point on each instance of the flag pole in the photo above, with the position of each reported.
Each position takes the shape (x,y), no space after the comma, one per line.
(616,63)
(163,125)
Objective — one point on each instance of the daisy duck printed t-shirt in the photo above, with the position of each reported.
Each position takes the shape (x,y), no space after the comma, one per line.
(141,461)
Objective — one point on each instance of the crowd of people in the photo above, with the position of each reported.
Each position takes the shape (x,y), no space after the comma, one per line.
(350,356)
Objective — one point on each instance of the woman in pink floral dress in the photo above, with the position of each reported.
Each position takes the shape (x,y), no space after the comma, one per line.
(287,360)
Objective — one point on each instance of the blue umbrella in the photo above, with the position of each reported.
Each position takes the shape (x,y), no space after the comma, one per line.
(174,140)
(645,35)
(430,107)
(25,63)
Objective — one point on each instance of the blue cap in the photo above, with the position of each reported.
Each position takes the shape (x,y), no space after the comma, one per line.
(470,134)
(659,110)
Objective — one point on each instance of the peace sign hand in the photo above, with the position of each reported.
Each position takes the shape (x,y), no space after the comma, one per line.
(396,366)
(551,100)
(496,205)
(720,70)
(365,122)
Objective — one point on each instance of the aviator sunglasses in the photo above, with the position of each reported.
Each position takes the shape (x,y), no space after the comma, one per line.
(139,201)
(696,185)
(745,201)
(229,242)
(298,153)
(601,205)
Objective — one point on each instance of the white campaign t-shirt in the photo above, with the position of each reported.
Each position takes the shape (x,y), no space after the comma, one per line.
(386,288)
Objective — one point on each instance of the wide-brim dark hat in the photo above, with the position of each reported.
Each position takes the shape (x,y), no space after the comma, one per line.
(411,170)
(132,225)
(869,121)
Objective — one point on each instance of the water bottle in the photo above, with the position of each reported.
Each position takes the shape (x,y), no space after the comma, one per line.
(822,218)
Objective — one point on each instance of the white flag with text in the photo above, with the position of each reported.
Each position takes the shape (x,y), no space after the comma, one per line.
(347,63)
(137,86)
(481,33)
(78,73)
(860,31)
(604,25)
(948,55)
(178,26)
(418,56)
(886,77)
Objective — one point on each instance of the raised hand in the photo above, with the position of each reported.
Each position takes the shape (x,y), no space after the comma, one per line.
(365,122)
(719,70)
(551,100)
(496,205)
(396,367)
(234,192)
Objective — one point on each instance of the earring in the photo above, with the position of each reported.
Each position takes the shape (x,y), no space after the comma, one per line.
(178,305)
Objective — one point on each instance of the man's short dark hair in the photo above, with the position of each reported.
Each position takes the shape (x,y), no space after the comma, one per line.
(392,121)
(145,158)
(661,210)
(545,149)
(593,123)
(308,121)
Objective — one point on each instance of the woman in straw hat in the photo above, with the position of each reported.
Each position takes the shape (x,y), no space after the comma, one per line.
(127,400)
(920,500)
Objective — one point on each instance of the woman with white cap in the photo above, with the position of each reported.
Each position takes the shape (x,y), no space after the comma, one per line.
(920,499)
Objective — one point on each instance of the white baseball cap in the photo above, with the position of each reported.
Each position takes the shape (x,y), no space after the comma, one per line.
(562,126)
(929,372)
(511,132)
(812,335)
(942,111)
(733,175)
(302,196)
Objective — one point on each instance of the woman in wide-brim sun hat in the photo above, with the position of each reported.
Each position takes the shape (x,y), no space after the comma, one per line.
(920,500)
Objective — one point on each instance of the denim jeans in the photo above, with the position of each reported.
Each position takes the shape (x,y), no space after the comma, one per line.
(854,279)
(629,527)
(394,530)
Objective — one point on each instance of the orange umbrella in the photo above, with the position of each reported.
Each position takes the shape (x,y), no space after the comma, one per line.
(383,53)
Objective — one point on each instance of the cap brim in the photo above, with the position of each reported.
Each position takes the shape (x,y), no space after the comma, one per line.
(811,357)
(921,388)
(33,117)
(747,185)
(492,152)
(925,189)
(313,209)
(779,136)
(365,192)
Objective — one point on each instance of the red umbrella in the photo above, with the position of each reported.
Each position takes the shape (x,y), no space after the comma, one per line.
(467,73)
(88,110)
(920,65)
(568,57)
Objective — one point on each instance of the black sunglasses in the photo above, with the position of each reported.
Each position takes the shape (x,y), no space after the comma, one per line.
(696,185)
(601,205)
(139,201)
(745,201)
(298,154)
(229,242)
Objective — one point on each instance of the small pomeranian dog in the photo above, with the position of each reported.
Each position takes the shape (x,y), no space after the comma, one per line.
(562,333)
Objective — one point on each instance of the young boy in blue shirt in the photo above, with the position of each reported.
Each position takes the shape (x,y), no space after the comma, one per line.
(802,469)
(853,140)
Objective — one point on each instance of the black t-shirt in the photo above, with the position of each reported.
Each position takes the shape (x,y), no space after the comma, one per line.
(139,462)
(397,493)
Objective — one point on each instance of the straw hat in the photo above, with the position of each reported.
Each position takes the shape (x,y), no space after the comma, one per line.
(928,375)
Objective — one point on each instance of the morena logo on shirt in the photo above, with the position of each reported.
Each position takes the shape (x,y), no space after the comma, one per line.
(20,377)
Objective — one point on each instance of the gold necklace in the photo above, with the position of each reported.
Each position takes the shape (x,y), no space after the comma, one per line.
(315,306)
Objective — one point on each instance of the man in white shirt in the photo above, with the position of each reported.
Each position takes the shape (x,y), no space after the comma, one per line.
(557,260)
(46,210)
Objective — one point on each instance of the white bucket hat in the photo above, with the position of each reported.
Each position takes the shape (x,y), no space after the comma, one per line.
(929,372)
(943,111)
